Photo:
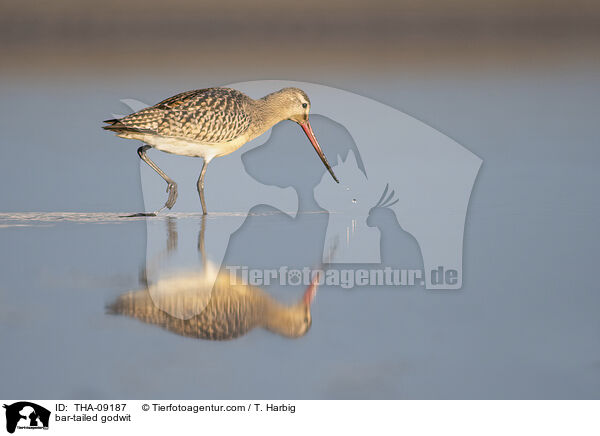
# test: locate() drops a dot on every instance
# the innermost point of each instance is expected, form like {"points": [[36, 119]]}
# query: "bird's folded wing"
{"points": [[210, 116]]}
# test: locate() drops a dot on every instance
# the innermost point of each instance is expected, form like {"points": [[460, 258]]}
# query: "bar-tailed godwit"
{"points": [[209, 123], [222, 311], [201, 305]]}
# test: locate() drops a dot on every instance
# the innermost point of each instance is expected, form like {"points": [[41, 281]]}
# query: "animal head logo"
{"points": [[430, 173], [26, 415], [382, 211]]}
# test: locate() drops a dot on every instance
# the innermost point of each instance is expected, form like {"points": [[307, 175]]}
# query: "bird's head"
{"points": [[293, 321], [300, 322], [294, 105]]}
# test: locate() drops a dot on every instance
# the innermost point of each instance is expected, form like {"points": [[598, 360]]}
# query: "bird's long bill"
{"points": [[311, 136], [311, 291]]}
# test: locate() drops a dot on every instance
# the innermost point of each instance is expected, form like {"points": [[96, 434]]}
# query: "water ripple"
{"points": [[27, 219]]}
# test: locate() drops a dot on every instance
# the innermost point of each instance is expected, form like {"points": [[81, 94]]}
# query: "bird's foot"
{"points": [[172, 190], [141, 214]]}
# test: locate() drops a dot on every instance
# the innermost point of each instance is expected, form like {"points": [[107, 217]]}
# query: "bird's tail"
{"points": [[115, 125]]}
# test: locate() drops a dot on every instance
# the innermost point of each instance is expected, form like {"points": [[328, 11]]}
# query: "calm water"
{"points": [[524, 325]]}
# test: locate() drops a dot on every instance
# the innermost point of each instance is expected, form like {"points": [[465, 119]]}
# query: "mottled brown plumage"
{"points": [[209, 123], [229, 311], [209, 116]]}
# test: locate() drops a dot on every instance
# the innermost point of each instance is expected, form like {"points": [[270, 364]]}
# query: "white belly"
{"points": [[184, 147]]}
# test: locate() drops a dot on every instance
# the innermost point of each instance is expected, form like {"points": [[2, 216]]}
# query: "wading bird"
{"points": [[209, 123], [218, 312], [201, 304]]}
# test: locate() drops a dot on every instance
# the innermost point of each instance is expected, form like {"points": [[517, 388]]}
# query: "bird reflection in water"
{"points": [[213, 309]]}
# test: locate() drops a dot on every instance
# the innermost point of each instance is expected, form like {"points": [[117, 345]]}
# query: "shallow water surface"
{"points": [[524, 324]]}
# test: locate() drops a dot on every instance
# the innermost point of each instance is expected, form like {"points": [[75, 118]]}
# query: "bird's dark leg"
{"points": [[201, 242], [171, 185], [201, 187]]}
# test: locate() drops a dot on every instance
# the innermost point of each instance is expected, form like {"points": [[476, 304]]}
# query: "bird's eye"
{"points": [[304, 105]]}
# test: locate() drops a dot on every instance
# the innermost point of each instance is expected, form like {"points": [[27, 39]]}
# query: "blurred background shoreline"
{"points": [[274, 39]]}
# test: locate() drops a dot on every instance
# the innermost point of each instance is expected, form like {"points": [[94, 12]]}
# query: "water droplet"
{"points": [[347, 189], [354, 200]]}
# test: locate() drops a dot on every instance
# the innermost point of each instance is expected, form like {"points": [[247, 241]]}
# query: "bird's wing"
{"points": [[219, 313], [211, 116]]}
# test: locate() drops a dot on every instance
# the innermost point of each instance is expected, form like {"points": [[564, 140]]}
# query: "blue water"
{"points": [[524, 325]]}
